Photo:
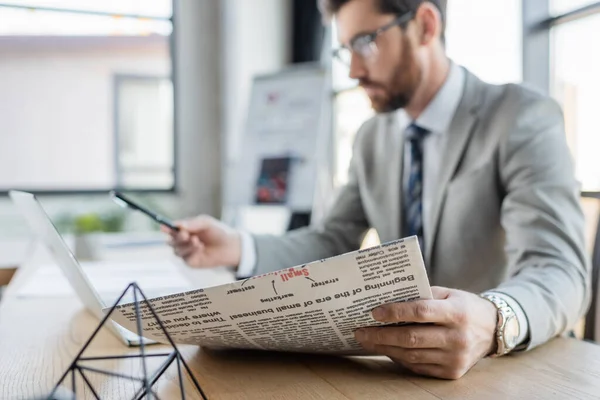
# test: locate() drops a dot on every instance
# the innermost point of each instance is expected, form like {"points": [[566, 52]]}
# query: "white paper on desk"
{"points": [[111, 278], [311, 308]]}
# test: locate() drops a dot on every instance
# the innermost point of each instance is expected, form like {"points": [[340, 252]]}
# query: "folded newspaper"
{"points": [[310, 308]]}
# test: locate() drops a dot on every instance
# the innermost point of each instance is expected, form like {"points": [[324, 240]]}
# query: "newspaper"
{"points": [[310, 308]]}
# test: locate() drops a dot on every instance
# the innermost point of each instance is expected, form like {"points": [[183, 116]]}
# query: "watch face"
{"points": [[511, 332]]}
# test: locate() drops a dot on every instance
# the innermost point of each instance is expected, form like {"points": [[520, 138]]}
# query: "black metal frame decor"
{"points": [[145, 391]]}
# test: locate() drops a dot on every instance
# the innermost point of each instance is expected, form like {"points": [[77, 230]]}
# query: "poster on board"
{"points": [[285, 145]]}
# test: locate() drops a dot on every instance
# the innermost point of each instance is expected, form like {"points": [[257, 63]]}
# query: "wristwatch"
{"points": [[507, 327]]}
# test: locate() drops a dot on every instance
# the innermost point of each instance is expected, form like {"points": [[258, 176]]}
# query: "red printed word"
{"points": [[292, 273]]}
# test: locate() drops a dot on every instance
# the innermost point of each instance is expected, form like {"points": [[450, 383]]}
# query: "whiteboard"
{"points": [[288, 116]]}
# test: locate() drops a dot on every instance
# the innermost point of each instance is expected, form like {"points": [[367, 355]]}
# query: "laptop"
{"points": [[41, 225]]}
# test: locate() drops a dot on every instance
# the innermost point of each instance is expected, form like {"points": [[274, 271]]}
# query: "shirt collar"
{"points": [[438, 114]]}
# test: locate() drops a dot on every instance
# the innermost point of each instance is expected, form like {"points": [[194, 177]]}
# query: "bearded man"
{"points": [[480, 173]]}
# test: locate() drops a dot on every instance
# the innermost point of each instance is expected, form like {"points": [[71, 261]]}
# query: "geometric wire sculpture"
{"points": [[147, 381]]}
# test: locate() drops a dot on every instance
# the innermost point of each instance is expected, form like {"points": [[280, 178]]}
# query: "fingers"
{"points": [[408, 337], [184, 244], [193, 253], [178, 240], [186, 250], [423, 311], [182, 235], [408, 357], [453, 333], [435, 362], [181, 241], [189, 227], [196, 225], [440, 293], [428, 362], [172, 232], [182, 247], [197, 257], [436, 371]]}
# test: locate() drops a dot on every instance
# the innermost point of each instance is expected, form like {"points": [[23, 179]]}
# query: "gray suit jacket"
{"points": [[506, 215]]}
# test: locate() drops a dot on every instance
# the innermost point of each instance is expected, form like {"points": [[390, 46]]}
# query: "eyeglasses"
{"points": [[364, 45]]}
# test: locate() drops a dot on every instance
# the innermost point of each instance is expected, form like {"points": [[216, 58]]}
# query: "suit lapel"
{"points": [[459, 133], [394, 150]]}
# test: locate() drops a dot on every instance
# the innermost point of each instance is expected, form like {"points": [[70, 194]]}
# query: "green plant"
{"points": [[113, 222], [91, 222], [88, 223]]}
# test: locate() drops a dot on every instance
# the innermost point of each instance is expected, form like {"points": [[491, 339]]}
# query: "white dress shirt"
{"points": [[248, 257], [436, 118]]}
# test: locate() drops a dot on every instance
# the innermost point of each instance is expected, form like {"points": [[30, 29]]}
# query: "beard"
{"points": [[402, 86]]}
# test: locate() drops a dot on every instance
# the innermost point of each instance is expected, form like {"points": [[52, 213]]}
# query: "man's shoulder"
{"points": [[515, 114], [514, 97]]}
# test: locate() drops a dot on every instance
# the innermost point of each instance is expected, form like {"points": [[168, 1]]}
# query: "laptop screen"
{"points": [[44, 229]]}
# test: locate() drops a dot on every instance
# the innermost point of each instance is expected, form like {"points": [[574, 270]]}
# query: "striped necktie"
{"points": [[413, 200]]}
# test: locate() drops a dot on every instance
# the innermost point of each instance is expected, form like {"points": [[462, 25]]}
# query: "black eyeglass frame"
{"points": [[367, 40]]}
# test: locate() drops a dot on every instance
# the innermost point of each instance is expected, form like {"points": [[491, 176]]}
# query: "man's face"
{"points": [[391, 76]]}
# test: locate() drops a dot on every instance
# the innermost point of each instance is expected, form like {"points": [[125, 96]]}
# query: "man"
{"points": [[480, 173]]}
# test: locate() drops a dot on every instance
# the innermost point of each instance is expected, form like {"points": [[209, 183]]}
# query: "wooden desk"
{"points": [[6, 274], [39, 337]]}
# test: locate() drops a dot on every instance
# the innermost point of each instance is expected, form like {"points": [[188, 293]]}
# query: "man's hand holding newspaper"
{"points": [[372, 301], [453, 331]]}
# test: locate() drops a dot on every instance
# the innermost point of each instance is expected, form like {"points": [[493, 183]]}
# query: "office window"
{"points": [[559, 7], [154, 8], [483, 35], [486, 37], [352, 108], [576, 84], [87, 96], [144, 119]]}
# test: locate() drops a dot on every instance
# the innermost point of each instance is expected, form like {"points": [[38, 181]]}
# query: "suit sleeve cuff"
{"points": [[521, 317], [248, 259]]}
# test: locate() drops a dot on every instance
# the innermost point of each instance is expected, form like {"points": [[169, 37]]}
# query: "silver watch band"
{"points": [[506, 315]]}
